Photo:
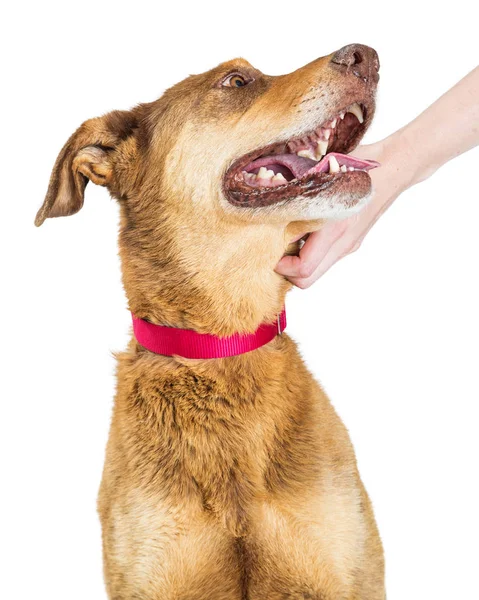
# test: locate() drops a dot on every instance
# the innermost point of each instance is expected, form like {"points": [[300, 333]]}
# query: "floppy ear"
{"points": [[87, 155]]}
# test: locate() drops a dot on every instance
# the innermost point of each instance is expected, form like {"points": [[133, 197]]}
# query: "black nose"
{"points": [[361, 61]]}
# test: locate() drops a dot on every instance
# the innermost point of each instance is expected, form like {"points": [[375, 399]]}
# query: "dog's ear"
{"points": [[87, 156]]}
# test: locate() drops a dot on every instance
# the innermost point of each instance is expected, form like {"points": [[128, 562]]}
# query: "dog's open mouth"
{"points": [[303, 166]]}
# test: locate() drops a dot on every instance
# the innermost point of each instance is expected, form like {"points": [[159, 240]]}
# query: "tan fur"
{"points": [[229, 478]]}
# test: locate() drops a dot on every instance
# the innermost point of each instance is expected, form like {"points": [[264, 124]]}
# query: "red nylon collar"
{"points": [[187, 343]]}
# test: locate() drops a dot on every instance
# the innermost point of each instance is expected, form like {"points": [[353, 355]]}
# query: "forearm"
{"points": [[443, 131]]}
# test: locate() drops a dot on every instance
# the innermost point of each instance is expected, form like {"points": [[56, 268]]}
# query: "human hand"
{"points": [[407, 157], [337, 239]]}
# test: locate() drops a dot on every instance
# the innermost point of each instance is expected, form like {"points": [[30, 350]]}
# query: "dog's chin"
{"points": [[335, 206]]}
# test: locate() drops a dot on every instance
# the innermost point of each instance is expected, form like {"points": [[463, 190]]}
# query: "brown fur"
{"points": [[229, 478]]}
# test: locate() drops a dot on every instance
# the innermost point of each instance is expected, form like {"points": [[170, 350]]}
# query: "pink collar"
{"points": [[191, 344]]}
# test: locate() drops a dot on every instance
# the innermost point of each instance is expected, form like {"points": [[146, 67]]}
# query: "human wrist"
{"points": [[405, 162], [416, 163], [394, 176]]}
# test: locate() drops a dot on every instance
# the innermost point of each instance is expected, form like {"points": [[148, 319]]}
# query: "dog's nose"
{"points": [[361, 61]]}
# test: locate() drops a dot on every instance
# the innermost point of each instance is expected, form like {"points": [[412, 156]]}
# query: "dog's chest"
{"points": [[233, 493], [228, 475], [191, 439], [295, 548]]}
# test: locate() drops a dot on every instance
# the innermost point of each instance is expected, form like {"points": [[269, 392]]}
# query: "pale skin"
{"points": [[407, 157]]}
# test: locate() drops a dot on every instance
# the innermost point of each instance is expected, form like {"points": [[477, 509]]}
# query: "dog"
{"points": [[228, 478]]}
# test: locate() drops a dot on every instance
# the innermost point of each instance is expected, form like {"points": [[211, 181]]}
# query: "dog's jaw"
{"points": [[309, 177]]}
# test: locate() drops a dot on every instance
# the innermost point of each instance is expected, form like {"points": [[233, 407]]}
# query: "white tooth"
{"points": [[355, 109], [263, 173], [269, 173], [350, 168], [322, 148], [333, 123], [342, 115], [279, 177], [343, 168], [306, 154], [327, 133], [333, 165]]}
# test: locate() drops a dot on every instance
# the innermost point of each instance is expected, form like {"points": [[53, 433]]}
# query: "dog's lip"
{"points": [[311, 178], [245, 196]]}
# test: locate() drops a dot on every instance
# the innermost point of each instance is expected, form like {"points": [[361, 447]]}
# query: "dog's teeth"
{"points": [[322, 148], [333, 123], [263, 173], [306, 154], [355, 109], [333, 165], [342, 115], [350, 168], [343, 168], [279, 177], [327, 133]]}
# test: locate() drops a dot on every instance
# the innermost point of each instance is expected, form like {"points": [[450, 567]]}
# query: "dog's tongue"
{"points": [[301, 166], [323, 166]]}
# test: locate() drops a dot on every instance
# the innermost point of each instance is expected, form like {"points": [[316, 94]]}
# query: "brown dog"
{"points": [[230, 478]]}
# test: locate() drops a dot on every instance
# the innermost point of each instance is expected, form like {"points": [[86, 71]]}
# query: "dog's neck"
{"points": [[219, 282]]}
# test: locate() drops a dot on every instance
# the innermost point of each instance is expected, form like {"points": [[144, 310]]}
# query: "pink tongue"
{"points": [[296, 164], [300, 166], [343, 159]]}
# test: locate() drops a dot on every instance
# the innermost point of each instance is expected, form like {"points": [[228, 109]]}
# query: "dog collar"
{"points": [[187, 343]]}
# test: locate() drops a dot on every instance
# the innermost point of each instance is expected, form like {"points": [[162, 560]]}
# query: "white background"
{"points": [[391, 331]]}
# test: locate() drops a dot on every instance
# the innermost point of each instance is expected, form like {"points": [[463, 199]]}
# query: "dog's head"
{"points": [[217, 176]]}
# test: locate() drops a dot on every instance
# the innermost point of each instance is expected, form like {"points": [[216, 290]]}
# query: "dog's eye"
{"points": [[235, 80]]}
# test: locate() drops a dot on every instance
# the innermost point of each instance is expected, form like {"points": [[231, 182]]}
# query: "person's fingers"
{"points": [[305, 282], [337, 253], [312, 253], [343, 246]]}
